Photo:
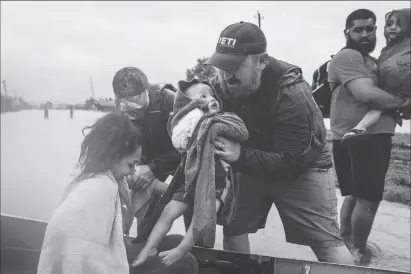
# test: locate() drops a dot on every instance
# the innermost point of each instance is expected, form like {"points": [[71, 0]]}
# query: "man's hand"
{"points": [[405, 109], [227, 150], [141, 179], [406, 103], [405, 113], [127, 241]]}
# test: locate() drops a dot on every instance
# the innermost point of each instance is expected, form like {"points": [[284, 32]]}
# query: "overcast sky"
{"points": [[50, 49]]}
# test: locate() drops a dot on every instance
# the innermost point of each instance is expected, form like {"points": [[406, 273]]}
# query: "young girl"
{"points": [[393, 69], [195, 107], [85, 233]]}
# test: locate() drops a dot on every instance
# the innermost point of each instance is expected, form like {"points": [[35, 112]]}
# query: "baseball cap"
{"points": [[235, 43], [129, 81]]}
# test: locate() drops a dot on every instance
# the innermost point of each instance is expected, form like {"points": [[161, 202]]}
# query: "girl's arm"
{"points": [[160, 187]]}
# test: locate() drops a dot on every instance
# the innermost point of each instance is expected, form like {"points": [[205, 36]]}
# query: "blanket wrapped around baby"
{"points": [[199, 169]]}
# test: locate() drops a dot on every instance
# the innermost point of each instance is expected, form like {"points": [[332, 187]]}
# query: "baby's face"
{"points": [[204, 92], [392, 28]]}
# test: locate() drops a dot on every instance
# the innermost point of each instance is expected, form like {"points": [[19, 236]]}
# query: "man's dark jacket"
{"points": [[158, 151], [287, 132]]}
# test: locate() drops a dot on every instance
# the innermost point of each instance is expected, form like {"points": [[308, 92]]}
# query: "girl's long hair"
{"points": [[109, 139]]}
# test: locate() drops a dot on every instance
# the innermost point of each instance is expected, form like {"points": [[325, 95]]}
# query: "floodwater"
{"points": [[38, 157]]}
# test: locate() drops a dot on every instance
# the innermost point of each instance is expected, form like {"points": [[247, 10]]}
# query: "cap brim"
{"points": [[226, 62]]}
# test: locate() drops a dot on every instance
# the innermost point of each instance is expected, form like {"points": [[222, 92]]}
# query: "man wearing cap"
{"points": [[285, 160], [148, 110]]}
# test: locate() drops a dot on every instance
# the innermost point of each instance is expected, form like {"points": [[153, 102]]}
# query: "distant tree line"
{"points": [[9, 103], [201, 72]]}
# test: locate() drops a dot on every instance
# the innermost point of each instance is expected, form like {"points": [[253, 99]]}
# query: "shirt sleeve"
{"points": [[349, 65]]}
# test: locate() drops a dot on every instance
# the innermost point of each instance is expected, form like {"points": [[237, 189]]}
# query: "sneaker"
{"points": [[371, 251], [375, 249], [365, 258]]}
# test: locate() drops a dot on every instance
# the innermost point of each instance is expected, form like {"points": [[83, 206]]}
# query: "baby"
{"points": [[208, 104], [393, 70], [195, 101]]}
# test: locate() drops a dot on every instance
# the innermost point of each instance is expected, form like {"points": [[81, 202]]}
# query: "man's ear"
{"points": [[346, 33], [262, 61]]}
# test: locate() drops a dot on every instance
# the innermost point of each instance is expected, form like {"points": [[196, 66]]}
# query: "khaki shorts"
{"points": [[307, 207]]}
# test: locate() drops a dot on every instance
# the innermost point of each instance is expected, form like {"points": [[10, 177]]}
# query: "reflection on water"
{"points": [[38, 157]]}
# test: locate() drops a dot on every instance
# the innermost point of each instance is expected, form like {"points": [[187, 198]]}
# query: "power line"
{"points": [[259, 18]]}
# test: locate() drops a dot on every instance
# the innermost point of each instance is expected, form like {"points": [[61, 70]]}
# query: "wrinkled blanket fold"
{"points": [[199, 170]]}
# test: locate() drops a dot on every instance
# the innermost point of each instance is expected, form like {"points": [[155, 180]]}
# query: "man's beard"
{"points": [[365, 49], [136, 115], [238, 91]]}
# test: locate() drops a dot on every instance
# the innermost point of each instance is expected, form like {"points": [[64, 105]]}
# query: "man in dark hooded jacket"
{"points": [[150, 110], [285, 161]]}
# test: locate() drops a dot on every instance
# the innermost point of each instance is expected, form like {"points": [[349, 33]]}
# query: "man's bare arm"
{"points": [[365, 91]]}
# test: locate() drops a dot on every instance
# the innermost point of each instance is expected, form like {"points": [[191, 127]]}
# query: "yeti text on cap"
{"points": [[226, 42]]}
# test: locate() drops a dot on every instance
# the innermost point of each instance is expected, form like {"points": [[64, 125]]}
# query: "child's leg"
{"points": [[359, 132], [370, 118], [175, 254], [217, 205], [171, 212]]}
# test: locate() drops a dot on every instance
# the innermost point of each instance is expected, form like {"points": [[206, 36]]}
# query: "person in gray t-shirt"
{"points": [[360, 166]]}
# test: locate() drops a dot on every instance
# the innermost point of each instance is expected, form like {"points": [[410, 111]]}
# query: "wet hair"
{"points": [[109, 139], [358, 15]]}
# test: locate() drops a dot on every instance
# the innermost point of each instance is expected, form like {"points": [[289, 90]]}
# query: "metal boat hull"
{"points": [[22, 239]]}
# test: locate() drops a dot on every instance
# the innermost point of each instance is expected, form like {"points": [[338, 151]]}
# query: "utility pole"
{"points": [[259, 18], [92, 88], [5, 88]]}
